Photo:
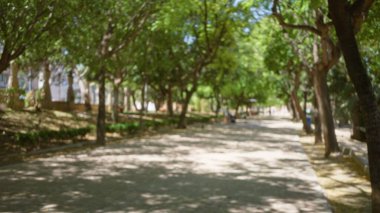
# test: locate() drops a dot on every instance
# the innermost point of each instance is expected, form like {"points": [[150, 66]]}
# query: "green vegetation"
{"points": [[129, 128], [209, 56], [133, 127], [45, 136]]}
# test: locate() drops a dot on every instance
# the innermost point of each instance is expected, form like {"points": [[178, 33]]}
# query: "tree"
{"points": [[46, 92], [110, 27], [217, 76], [348, 18], [14, 101], [203, 26], [24, 23], [326, 54], [341, 94], [117, 75], [162, 74], [283, 57], [70, 97]]}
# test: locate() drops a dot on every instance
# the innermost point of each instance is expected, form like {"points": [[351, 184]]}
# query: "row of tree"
{"points": [[316, 34], [225, 51], [173, 50]]}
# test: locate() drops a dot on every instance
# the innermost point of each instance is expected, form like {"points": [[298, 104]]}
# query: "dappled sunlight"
{"points": [[345, 186], [49, 207], [156, 199], [44, 119], [248, 167]]}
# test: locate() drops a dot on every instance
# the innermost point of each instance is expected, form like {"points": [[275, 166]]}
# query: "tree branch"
{"points": [[359, 11], [135, 25], [205, 10], [284, 24], [18, 50]]}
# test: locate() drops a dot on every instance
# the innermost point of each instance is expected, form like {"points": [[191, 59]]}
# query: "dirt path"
{"points": [[251, 166]]}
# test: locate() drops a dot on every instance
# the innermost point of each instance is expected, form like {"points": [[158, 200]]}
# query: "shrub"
{"points": [[200, 119], [154, 123], [131, 127], [35, 137], [171, 121]]}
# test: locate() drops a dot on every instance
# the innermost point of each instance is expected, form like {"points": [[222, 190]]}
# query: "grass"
{"points": [[345, 185], [21, 130]]}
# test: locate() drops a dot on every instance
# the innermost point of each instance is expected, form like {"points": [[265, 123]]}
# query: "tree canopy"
{"points": [[225, 52]]}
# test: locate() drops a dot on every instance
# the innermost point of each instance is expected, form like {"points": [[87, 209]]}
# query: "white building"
{"points": [[32, 80]]}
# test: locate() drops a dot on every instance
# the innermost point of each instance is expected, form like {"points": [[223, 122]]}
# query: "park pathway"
{"points": [[250, 166]]}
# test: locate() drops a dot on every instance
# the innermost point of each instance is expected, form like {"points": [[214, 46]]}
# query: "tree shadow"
{"points": [[210, 169], [347, 188]]}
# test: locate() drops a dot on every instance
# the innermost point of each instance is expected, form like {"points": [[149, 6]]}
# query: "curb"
{"points": [[18, 158]]}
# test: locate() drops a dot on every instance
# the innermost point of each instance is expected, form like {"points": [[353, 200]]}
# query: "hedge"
{"points": [[72, 133], [47, 135], [130, 128]]}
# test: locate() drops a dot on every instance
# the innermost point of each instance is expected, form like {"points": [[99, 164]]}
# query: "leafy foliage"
{"points": [[130, 128], [44, 136]]}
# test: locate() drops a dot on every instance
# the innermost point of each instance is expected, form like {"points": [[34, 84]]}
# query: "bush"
{"points": [[171, 121], [133, 127], [154, 123], [130, 128], [35, 137], [200, 119]]}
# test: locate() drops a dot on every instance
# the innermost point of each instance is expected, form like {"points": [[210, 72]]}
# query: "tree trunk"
{"points": [[146, 97], [218, 107], [101, 119], [127, 100], [292, 109], [297, 104], [5, 59], [169, 101], [158, 101], [296, 115], [237, 111], [13, 77], [157, 105], [298, 107], [87, 97], [46, 92], [342, 21], [70, 89], [305, 102], [142, 105], [317, 123], [356, 123], [133, 95], [324, 109], [185, 105], [142, 109], [115, 103], [14, 101]]}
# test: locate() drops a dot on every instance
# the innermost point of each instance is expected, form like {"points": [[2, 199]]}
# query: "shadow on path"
{"points": [[253, 166]]}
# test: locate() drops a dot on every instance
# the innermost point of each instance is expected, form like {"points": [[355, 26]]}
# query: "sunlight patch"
{"points": [[49, 208]]}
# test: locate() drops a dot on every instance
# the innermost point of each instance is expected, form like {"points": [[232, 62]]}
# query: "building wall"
{"points": [[59, 86], [4, 79]]}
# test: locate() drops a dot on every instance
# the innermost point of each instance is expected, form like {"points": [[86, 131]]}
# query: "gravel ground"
{"points": [[250, 166]]}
